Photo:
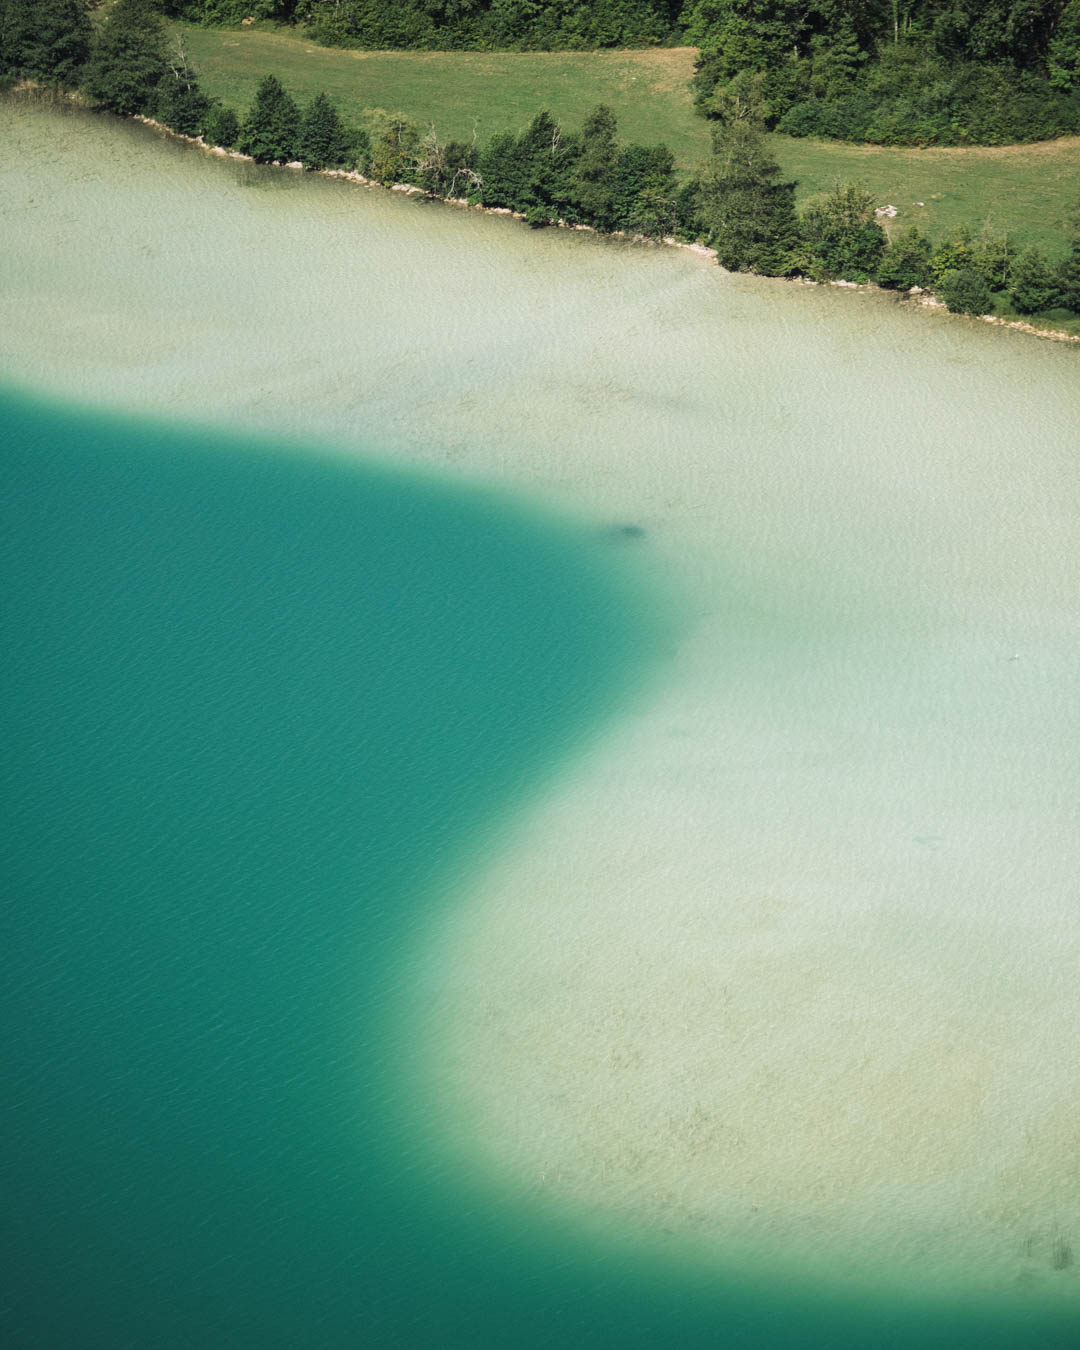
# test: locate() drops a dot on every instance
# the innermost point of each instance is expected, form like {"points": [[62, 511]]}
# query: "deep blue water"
{"points": [[258, 705]]}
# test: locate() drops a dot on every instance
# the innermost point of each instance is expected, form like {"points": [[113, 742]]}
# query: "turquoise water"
{"points": [[259, 707]]}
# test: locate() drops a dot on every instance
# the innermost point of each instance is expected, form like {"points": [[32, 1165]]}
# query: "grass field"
{"points": [[1026, 190]]}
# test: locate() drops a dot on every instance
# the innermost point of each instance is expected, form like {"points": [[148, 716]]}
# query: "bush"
{"points": [[182, 105], [954, 253], [221, 127], [965, 291], [906, 261]]}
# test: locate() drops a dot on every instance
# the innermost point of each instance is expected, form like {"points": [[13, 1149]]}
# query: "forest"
{"points": [[889, 72], [738, 203]]}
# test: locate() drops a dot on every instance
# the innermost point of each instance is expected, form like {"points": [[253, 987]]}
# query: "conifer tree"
{"points": [[594, 187], [127, 61], [47, 40], [836, 61], [749, 217], [271, 130], [324, 141], [1033, 286]]}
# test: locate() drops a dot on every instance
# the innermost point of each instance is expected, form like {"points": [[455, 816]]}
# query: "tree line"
{"points": [[891, 72], [738, 204], [453, 25], [748, 214], [898, 72]]}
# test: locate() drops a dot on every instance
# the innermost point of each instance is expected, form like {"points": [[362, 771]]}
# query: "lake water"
{"points": [[542, 791]]}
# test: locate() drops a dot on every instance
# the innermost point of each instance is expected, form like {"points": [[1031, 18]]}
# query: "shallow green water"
{"points": [[274, 711]]}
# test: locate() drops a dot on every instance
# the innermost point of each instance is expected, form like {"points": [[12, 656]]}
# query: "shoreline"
{"points": [[723, 980], [921, 297]]}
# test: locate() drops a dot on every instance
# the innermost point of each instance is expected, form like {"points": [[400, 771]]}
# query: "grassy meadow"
{"points": [[1025, 190]]}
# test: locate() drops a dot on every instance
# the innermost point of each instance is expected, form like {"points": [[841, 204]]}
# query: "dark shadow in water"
{"points": [[255, 704]]}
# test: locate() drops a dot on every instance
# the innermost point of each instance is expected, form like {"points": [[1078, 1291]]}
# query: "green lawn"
{"points": [[1025, 190]]}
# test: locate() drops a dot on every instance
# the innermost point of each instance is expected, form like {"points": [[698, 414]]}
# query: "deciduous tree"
{"points": [[906, 261], [842, 234], [748, 215], [48, 40], [128, 59], [181, 104]]}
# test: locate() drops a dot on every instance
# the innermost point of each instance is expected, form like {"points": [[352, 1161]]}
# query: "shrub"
{"points": [[181, 104], [221, 127], [906, 261], [965, 291]]}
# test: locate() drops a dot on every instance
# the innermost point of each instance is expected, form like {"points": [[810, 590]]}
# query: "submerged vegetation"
{"points": [[739, 201]]}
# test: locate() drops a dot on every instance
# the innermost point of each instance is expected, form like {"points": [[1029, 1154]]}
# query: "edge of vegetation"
{"points": [[738, 207]]}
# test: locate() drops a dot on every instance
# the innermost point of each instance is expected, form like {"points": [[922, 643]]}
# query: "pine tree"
{"points": [[128, 59], [749, 217], [1033, 286], [324, 141], [271, 130], [906, 261], [47, 40], [593, 193], [837, 59]]}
